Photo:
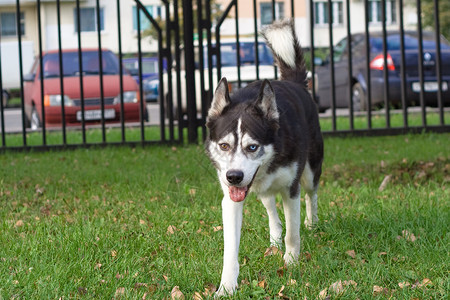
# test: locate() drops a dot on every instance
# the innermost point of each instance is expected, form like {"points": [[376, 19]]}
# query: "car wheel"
{"points": [[358, 98], [35, 122]]}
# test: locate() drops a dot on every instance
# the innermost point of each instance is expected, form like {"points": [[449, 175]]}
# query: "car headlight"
{"points": [[55, 100], [128, 97]]}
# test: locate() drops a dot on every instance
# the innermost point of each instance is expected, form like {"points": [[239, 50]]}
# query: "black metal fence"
{"points": [[46, 112]]}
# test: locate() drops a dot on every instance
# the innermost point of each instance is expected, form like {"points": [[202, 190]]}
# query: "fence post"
{"points": [[190, 70]]}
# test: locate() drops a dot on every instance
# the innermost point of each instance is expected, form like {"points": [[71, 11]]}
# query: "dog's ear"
{"points": [[266, 101], [220, 101]]}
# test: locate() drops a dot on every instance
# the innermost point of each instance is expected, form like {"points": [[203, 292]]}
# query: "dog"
{"points": [[265, 138]]}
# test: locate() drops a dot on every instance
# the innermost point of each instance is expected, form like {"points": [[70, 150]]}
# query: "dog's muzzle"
{"points": [[234, 178]]}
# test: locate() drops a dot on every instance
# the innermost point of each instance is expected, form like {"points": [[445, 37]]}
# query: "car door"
{"points": [[341, 73]]}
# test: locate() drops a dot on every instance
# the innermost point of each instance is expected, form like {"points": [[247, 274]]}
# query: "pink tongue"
{"points": [[237, 194]]}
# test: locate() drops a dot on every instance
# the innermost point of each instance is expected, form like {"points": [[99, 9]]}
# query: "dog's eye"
{"points": [[252, 148], [224, 146]]}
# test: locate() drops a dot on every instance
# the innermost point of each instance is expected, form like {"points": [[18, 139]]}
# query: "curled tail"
{"points": [[280, 36]]}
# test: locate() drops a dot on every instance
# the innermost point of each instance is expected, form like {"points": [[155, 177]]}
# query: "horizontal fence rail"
{"points": [[371, 71]]}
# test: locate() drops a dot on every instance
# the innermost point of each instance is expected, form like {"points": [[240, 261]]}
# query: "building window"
{"points": [[9, 25], [266, 12], [321, 13], [88, 19], [154, 10], [375, 15]]}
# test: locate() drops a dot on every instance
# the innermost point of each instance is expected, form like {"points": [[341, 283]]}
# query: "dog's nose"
{"points": [[235, 176]]}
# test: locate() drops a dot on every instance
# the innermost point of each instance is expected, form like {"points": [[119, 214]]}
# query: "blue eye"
{"points": [[252, 148]]}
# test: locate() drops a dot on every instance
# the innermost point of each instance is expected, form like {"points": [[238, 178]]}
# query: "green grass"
{"points": [[93, 224]]}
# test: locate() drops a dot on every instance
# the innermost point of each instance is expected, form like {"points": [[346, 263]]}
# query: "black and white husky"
{"points": [[265, 138]]}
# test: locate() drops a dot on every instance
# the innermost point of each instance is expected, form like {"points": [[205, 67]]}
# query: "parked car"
{"points": [[228, 50], [150, 72], [359, 94], [5, 98], [72, 90]]}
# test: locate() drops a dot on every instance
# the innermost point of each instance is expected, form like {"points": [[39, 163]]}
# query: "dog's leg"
{"points": [[311, 208], [274, 221], [291, 207], [232, 222]]}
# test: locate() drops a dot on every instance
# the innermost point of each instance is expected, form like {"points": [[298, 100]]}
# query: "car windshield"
{"points": [[247, 53], [70, 63], [411, 43]]}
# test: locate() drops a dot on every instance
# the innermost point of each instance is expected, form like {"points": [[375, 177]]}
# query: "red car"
{"points": [[72, 90]]}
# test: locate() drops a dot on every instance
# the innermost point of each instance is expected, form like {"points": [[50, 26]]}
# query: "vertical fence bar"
{"points": [[255, 25], [293, 11], [275, 68], [161, 53], [41, 73], [350, 66], [219, 23], [61, 73], [438, 62], [168, 51], [119, 41], [313, 67], [2, 108], [333, 81], [369, 83], [210, 63], [190, 70], [201, 65], [420, 56], [100, 70], [177, 69], [238, 45], [141, 90], [402, 67], [19, 38], [385, 66], [80, 68]]}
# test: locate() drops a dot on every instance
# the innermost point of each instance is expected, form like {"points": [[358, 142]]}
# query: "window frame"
{"points": [[279, 12], [321, 13], [375, 18], [90, 8], [22, 23]]}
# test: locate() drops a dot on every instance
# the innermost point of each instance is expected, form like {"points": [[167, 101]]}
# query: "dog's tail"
{"points": [[282, 40]]}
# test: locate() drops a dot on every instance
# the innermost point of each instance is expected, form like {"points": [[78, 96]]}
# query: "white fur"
{"points": [[307, 181], [282, 43]]}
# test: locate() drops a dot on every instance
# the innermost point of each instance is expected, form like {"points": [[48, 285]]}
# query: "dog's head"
{"points": [[242, 128]]}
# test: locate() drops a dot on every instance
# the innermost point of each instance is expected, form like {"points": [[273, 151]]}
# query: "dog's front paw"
{"points": [[225, 290], [290, 258]]}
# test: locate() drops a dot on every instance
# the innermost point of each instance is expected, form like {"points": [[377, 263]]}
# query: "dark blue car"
{"points": [[150, 69], [359, 93]]}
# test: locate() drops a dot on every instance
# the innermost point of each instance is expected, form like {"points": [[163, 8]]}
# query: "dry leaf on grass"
{"points": [[262, 284], [337, 287], [210, 289], [197, 296], [19, 223], [119, 292], [217, 228], [410, 237], [176, 294], [403, 284], [171, 229], [351, 253], [272, 251], [377, 290], [323, 294]]}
